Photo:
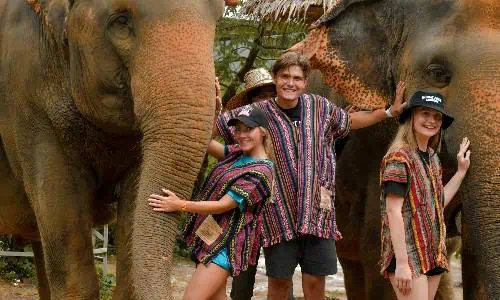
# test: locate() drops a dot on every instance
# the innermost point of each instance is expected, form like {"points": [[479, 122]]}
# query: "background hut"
{"points": [[306, 11]]}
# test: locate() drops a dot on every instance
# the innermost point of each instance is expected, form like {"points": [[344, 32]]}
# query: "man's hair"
{"points": [[289, 59]]}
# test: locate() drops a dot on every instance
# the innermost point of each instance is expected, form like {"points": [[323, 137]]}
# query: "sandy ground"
{"points": [[182, 273]]}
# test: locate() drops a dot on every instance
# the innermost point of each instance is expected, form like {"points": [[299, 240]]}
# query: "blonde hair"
{"points": [[405, 138], [268, 144]]}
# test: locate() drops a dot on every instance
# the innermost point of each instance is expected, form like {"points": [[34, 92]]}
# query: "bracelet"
{"points": [[388, 112], [184, 207]]}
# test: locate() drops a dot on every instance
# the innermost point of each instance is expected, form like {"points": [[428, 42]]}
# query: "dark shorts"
{"points": [[436, 271], [316, 256]]}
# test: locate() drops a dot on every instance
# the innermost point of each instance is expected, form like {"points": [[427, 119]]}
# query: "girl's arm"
{"points": [[463, 159], [394, 204], [216, 150], [172, 203]]}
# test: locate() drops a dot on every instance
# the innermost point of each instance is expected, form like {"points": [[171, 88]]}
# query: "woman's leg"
{"points": [[433, 283], [419, 288], [198, 289], [220, 294]]}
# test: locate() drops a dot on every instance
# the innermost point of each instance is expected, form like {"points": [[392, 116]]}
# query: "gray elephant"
{"points": [[453, 47], [363, 47], [102, 101]]}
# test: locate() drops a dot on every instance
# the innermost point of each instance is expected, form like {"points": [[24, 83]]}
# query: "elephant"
{"points": [[102, 103], [363, 48]]}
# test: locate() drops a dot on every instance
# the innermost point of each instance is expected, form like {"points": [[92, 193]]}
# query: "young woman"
{"points": [[413, 199], [224, 226]]}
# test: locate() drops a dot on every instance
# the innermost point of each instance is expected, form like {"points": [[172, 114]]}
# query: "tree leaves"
{"points": [[243, 43]]}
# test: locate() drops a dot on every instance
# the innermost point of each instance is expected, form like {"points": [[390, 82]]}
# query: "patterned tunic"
{"points": [[240, 230], [304, 196], [422, 211]]}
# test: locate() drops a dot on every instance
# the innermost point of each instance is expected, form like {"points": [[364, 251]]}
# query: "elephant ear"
{"points": [[53, 14], [351, 47]]}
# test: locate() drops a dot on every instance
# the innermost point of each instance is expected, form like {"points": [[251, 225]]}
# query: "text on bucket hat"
{"points": [[430, 100], [251, 117]]}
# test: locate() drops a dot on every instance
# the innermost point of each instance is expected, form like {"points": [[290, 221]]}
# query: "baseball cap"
{"points": [[251, 117]]}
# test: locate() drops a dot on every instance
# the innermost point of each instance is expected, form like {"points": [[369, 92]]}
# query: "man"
{"points": [[259, 86], [299, 227]]}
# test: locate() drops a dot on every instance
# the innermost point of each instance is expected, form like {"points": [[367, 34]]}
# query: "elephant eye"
{"points": [[122, 20], [120, 26], [437, 75]]}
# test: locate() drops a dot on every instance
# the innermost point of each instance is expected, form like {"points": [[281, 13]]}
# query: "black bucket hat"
{"points": [[430, 100], [251, 117]]}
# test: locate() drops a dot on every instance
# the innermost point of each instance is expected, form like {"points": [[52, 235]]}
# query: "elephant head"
{"points": [[142, 68], [448, 46]]}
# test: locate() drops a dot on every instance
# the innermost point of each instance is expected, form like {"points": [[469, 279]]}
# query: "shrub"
{"points": [[106, 284]]}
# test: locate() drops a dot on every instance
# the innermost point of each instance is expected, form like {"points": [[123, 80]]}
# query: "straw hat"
{"points": [[253, 79]]}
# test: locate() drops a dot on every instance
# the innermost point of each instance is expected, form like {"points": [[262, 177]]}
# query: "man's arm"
{"points": [[362, 119]]}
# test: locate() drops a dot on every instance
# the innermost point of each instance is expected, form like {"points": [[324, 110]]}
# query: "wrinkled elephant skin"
{"points": [[363, 48], [102, 102]]}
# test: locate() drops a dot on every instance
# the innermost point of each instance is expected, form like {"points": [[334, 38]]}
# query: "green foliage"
{"points": [[242, 44], [106, 284], [13, 268]]}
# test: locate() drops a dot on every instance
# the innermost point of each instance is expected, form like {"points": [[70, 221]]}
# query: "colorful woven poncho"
{"points": [[240, 230], [422, 211]]}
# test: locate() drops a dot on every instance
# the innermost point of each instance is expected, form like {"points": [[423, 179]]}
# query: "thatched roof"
{"points": [[304, 10]]}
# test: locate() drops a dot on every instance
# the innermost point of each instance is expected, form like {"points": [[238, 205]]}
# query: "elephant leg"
{"points": [[445, 288], [43, 283], [354, 278], [124, 224], [61, 194], [473, 289], [376, 286]]}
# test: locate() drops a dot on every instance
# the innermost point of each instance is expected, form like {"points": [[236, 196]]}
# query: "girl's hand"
{"points": [[463, 156], [169, 203], [403, 278]]}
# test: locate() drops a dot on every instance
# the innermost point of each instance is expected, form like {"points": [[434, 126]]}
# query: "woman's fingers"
{"points": [[157, 197], [168, 192], [407, 286]]}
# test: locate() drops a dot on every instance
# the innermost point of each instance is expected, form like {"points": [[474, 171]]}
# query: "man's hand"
{"points": [[218, 100], [352, 109], [399, 103]]}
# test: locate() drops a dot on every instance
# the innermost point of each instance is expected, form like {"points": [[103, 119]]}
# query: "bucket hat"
{"points": [[430, 100], [253, 79]]}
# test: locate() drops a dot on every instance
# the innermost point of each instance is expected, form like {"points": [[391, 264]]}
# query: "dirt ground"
{"points": [[182, 273]]}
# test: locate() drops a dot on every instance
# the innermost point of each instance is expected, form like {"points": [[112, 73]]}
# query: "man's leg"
{"points": [[319, 259], [242, 286], [281, 260]]}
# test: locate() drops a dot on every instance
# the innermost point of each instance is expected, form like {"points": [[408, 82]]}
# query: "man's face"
{"points": [[290, 83], [262, 93]]}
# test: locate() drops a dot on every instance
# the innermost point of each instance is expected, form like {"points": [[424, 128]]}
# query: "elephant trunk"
{"points": [[477, 117], [173, 88]]}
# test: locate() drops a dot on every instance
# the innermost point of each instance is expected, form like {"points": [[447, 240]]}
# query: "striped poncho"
{"points": [[303, 201], [241, 230], [422, 211]]}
